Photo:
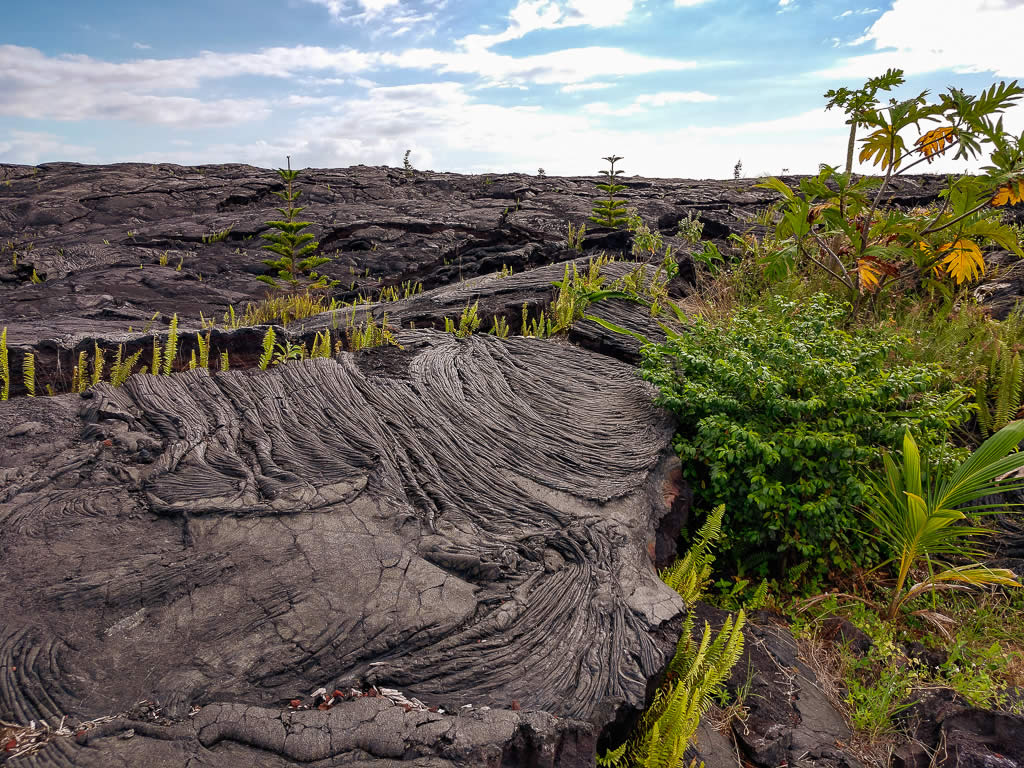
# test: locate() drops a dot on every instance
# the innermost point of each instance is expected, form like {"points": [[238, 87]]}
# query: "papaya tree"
{"points": [[839, 223]]}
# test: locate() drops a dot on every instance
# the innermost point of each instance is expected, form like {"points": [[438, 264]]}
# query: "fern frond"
{"points": [[5, 370], [1008, 387], [981, 399], [172, 345], [155, 367], [268, 349], [759, 599], [613, 757], [224, 362], [121, 371], [28, 370], [117, 361], [688, 576], [204, 349], [78, 374], [98, 361]]}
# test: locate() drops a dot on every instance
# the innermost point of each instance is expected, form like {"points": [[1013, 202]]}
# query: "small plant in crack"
{"points": [[469, 322]]}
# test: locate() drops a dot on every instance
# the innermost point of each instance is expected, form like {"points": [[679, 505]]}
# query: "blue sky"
{"points": [[679, 88]]}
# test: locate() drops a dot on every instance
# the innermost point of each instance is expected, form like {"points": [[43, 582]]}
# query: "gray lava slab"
{"points": [[472, 522]]}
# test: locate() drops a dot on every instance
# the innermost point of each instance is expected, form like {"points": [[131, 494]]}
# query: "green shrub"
{"points": [[780, 411]]}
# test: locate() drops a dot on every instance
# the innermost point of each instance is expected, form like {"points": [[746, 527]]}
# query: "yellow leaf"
{"points": [[964, 260], [879, 144], [1012, 193], [936, 142], [868, 275]]}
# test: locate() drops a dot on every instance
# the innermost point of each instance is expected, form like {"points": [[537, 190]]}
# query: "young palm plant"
{"points": [[920, 515]]}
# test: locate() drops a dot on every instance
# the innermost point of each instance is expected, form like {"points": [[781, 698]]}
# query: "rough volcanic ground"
{"points": [[455, 538]]}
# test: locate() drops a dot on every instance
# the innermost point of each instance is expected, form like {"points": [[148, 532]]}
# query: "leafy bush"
{"points": [[780, 411]]}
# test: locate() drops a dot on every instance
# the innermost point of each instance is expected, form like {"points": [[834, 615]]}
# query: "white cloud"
{"points": [[859, 12], [294, 100], [34, 147], [918, 37], [674, 97], [141, 46], [575, 87], [532, 15], [689, 3], [356, 10], [574, 65], [74, 87]]}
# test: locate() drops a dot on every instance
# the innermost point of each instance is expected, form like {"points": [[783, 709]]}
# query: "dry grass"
{"points": [[826, 661]]}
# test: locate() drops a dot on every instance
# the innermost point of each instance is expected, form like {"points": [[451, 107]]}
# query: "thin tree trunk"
{"points": [[849, 147]]}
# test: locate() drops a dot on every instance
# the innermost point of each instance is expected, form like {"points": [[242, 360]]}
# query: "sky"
{"points": [[678, 88]]}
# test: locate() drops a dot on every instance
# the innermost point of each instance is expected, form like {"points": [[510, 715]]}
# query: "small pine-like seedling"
{"points": [[294, 248], [737, 170], [610, 212], [541, 173], [409, 170]]}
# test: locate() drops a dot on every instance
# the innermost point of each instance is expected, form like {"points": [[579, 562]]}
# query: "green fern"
{"points": [[204, 349], [120, 371], [689, 576], [155, 367], [78, 377], [611, 758], [29, 372], [1010, 380], [268, 349], [759, 599], [5, 370], [321, 345], [469, 322], [499, 327], [98, 361], [172, 345], [981, 395], [224, 362], [696, 672]]}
